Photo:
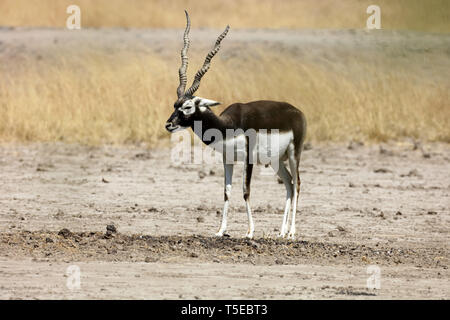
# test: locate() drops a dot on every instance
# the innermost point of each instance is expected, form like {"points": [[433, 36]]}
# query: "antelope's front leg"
{"points": [[228, 168]]}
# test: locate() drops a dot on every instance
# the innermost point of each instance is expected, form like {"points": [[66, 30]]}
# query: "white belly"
{"points": [[265, 147]]}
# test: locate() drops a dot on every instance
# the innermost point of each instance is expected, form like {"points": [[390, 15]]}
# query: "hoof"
{"points": [[291, 236], [282, 235], [222, 234]]}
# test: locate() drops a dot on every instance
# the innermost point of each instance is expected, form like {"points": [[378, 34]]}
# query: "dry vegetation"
{"points": [[127, 97], [420, 15], [119, 96]]}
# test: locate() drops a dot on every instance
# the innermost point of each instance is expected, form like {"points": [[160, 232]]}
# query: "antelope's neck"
{"points": [[208, 124]]}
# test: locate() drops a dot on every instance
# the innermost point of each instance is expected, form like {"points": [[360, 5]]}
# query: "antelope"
{"points": [[286, 123]]}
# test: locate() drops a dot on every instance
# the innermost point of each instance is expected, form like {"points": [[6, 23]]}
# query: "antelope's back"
{"points": [[266, 114]]}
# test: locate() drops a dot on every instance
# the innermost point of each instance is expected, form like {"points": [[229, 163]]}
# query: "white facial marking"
{"points": [[188, 107], [178, 128], [205, 102]]}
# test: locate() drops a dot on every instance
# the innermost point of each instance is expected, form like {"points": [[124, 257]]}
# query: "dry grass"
{"points": [[420, 15], [95, 98]]}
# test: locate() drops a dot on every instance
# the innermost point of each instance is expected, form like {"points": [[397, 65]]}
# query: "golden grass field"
{"points": [[95, 98], [121, 96], [419, 15]]}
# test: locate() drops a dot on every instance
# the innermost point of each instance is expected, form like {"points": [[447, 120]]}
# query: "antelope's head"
{"points": [[187, 105]]}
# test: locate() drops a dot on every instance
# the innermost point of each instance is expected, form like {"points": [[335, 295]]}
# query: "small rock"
{"points": [[382, 170], [110, 231], [200, 219], [104, 180], [202, 207], [65, 233], [143, 155], [432, 213], [39, 168], [48, 240], [412, 173], [201, 174], [111, 228], [194, 255]]}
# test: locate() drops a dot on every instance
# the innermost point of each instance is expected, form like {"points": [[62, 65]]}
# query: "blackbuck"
{"points": [[259, 129]]}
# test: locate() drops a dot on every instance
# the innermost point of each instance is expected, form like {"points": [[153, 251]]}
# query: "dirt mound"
{"points": [[89, 246]]}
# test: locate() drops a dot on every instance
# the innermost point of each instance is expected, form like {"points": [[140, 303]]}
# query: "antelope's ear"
{"points": [[202, 102]]}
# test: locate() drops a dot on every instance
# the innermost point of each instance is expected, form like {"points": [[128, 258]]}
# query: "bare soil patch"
{"points": [[92, 246], [139, 226]]}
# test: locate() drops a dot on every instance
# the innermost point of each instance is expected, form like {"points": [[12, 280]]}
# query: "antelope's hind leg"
{"points": [[248, 168], [284, 175], [228, 172], [294, 162]]}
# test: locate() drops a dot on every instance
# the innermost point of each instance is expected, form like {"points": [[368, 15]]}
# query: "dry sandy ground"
{"points": [[360, 205]]}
